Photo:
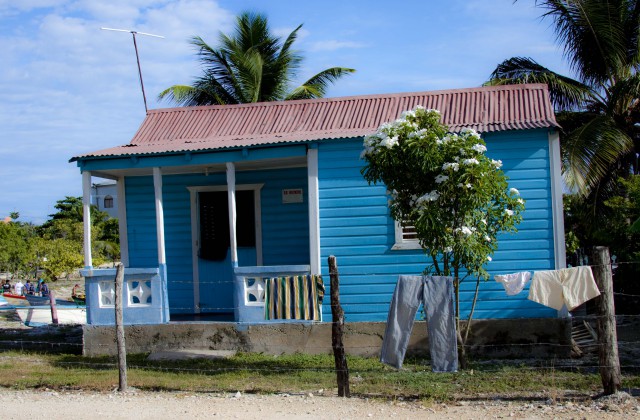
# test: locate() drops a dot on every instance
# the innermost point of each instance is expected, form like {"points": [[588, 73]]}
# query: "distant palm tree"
{"points": [[252, 65], [600, 112]]}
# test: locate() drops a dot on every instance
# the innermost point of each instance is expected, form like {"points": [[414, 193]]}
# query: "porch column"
{"points": [[560, 252], [122, 222], [162, 259], [86, 218], [157, 186], [231, 190], [314, 205]]}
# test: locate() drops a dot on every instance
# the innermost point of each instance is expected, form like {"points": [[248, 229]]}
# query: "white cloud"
{"points": [[69, 88], [332, 45]]}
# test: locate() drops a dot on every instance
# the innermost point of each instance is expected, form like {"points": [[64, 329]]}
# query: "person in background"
{"points": [[38, 285], [6, 287], [29, 289], [18, 288], [44, 289]]}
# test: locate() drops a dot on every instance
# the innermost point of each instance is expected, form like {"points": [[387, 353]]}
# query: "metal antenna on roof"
{"points": [[135, 46]]}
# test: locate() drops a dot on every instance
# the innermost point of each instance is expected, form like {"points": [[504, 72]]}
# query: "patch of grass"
{"points": [[259, 373]]}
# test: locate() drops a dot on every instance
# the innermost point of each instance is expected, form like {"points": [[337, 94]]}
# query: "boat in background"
{"points": [[35, 300], [36, 316], [79, 299], [15, 300]]}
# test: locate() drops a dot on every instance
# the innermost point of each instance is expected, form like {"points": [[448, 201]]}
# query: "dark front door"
{"points": [[214, 254]]}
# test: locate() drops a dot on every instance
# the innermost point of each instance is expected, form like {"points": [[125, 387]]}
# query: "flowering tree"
{"points": [[445, 186]]}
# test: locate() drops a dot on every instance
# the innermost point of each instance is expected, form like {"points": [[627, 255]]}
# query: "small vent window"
{"points": [[108, 202], [406, 237]]}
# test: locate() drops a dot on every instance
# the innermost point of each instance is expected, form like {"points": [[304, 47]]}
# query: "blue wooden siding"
{"points": [[355, 226], [285, 227]]}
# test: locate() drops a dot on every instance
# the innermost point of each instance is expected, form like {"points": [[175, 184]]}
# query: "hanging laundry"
{"points": [[436, 295], [294, 297], [513, 283], [568, 286]]}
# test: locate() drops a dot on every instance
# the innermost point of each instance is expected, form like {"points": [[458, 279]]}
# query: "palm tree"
{"points": [[599, 112], [252, 65]]}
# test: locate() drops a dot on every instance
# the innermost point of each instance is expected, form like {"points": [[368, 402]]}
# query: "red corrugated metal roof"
{"points": [[485, 109]]}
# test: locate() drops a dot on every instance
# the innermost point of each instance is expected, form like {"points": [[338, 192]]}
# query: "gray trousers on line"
{"points": [[436, 295]]}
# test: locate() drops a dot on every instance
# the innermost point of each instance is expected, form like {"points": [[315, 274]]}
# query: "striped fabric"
{"points": [[294, 297]]}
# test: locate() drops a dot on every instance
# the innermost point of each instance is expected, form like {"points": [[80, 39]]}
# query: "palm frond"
{"points": [[317, 85], [590, 152], [624, 96], [594, 35], [179, 94], [250, 65], [565, 93]]}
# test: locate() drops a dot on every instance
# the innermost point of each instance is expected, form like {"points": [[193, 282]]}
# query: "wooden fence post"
{"points": [[606, 313], [54, 310], [122, 352], [342, 370]]}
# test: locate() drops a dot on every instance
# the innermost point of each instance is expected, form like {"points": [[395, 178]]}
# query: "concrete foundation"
{"points": [[508, 338]]}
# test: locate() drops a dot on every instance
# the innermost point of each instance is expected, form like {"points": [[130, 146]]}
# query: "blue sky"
{"points": [[69, 87]]}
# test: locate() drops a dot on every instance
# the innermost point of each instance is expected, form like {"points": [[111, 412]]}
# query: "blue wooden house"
{"points": [[213, 199]]}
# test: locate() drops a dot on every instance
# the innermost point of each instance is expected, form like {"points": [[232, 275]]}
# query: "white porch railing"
{"points": [[144, 296], [249, 286]]}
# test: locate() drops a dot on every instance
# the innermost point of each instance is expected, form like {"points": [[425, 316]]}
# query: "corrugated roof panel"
{"points": [[486, 109]]}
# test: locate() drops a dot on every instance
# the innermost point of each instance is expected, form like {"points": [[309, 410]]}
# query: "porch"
{"points": [[213, 272]]}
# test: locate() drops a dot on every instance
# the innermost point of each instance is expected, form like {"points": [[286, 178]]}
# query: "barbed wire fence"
{"points": [[69, 340]]}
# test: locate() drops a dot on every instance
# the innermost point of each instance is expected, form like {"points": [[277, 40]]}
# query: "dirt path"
{"points": [[153, 405]]}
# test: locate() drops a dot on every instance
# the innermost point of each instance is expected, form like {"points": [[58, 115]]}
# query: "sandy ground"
{"points": [[134, 404], [47, 404]]}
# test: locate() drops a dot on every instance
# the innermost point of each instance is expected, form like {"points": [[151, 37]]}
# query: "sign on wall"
{"points": [[292, 195]]}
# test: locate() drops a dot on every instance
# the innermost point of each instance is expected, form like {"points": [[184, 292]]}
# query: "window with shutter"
{"points": [[406, 237]]}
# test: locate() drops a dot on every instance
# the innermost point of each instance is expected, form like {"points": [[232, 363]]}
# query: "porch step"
{"points": [[185, 354], [584, 338]]}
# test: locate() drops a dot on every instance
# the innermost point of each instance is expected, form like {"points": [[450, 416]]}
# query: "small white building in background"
{"points": [[104, 196]]}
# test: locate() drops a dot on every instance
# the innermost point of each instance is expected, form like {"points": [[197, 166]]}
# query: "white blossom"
{"points": [[371, 140], [441, 178], [432, 196], [471, 132], [487, 238], [489, 259], [496, 163], [417, 133], [389, 142], [472, 161], [453, 165], [465, 230], [514, 191], [520, 200], [448, 249], [508, 212], [427, 110], [480, 148]]}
